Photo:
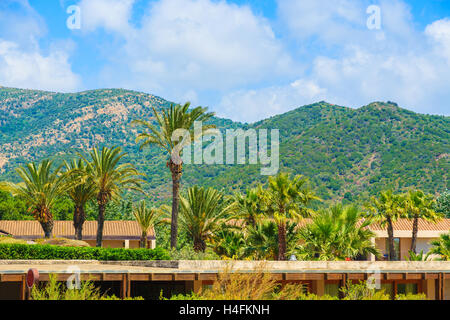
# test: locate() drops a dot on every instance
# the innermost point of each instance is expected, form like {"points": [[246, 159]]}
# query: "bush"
{"points": [[49, 252], [410, 296], [187, 253], [54, 290]]}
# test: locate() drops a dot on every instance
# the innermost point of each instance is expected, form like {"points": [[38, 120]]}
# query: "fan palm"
{"points": [[418, 205], [441, 247], [262, 240], [168, 123], [80, 191], [202, 212], [146, 218], [248, 206], [40, 187], [386, 210], [229, 243], [110, 178], [286, 199], [336, 234]]}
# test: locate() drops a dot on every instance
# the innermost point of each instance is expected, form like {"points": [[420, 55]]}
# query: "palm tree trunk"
{"points": [[79, 217], [177, 171], [199, 245], [282, 241], [101, 220], [414, 233], [390, 231], [48, 228], [143, 243]]}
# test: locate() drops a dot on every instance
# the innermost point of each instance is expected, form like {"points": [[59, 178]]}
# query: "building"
{"points": [[116, 234], [149, 278], [427, 232]]}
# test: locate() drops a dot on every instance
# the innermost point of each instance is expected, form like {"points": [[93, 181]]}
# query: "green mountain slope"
{"points": [[347, 153]]}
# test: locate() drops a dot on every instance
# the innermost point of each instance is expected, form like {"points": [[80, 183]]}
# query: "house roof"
{"points": [[113, 230], [407, 224], [402, 228]]}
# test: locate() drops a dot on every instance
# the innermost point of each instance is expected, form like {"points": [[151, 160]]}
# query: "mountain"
{"points": [[347, 153]]}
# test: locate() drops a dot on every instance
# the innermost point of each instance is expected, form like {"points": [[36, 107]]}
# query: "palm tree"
{"points": [[168, 123], [248, 206], [441, 247], [79, 193], [202, 212], [386, 210], [336, 234], [146, 218], [286, 199], [229, 243], [418, 205], [40, 187], [262, 239], [110, 178]]}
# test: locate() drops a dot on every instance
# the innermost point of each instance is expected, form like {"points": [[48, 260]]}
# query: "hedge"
{"points": [[51, 252]]}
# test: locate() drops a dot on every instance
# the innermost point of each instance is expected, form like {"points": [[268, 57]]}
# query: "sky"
{"points": [[244, 59]]}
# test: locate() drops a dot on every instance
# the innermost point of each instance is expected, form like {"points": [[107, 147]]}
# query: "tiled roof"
{"points": [[399, 225], [406, 225], [113, 230]]}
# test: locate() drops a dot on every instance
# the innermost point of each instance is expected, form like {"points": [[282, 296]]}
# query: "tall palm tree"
{"points": [[146, 218], [40, 187], [419, 205], [336, 234], [202, 212], [386, 209], [80, 191], [162, 135], [110, 178], [287, 199]]}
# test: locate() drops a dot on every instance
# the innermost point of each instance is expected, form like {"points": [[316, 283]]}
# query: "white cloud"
{"points": [[112, 15], [254, 105], [22, 63], [30, 69], [439, 32], [186, 45]]}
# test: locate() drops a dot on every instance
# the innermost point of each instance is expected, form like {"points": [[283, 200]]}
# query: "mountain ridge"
{"points": [[347, 153]]}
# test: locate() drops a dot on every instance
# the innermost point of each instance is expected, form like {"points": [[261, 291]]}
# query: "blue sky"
{"points": [[245, 59]]}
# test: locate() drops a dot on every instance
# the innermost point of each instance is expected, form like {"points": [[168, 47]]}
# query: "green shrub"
{"points": [[49, 252], [411, 296], [54, 290]]}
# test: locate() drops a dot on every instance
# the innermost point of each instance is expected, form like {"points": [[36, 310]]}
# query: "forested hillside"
{"points": [[347, 153]]}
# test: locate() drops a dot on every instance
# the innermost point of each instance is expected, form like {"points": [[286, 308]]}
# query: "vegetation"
{"points": [[284, 200], [386, 210], [146, 218], [337, 234], [419, 205], [54, 290], [40, 188], [170, 121], [56, 252], [348, 154], [201, 213], [441, 247], [260, 285], [109, 178], [79, 193], [443, 204]]}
